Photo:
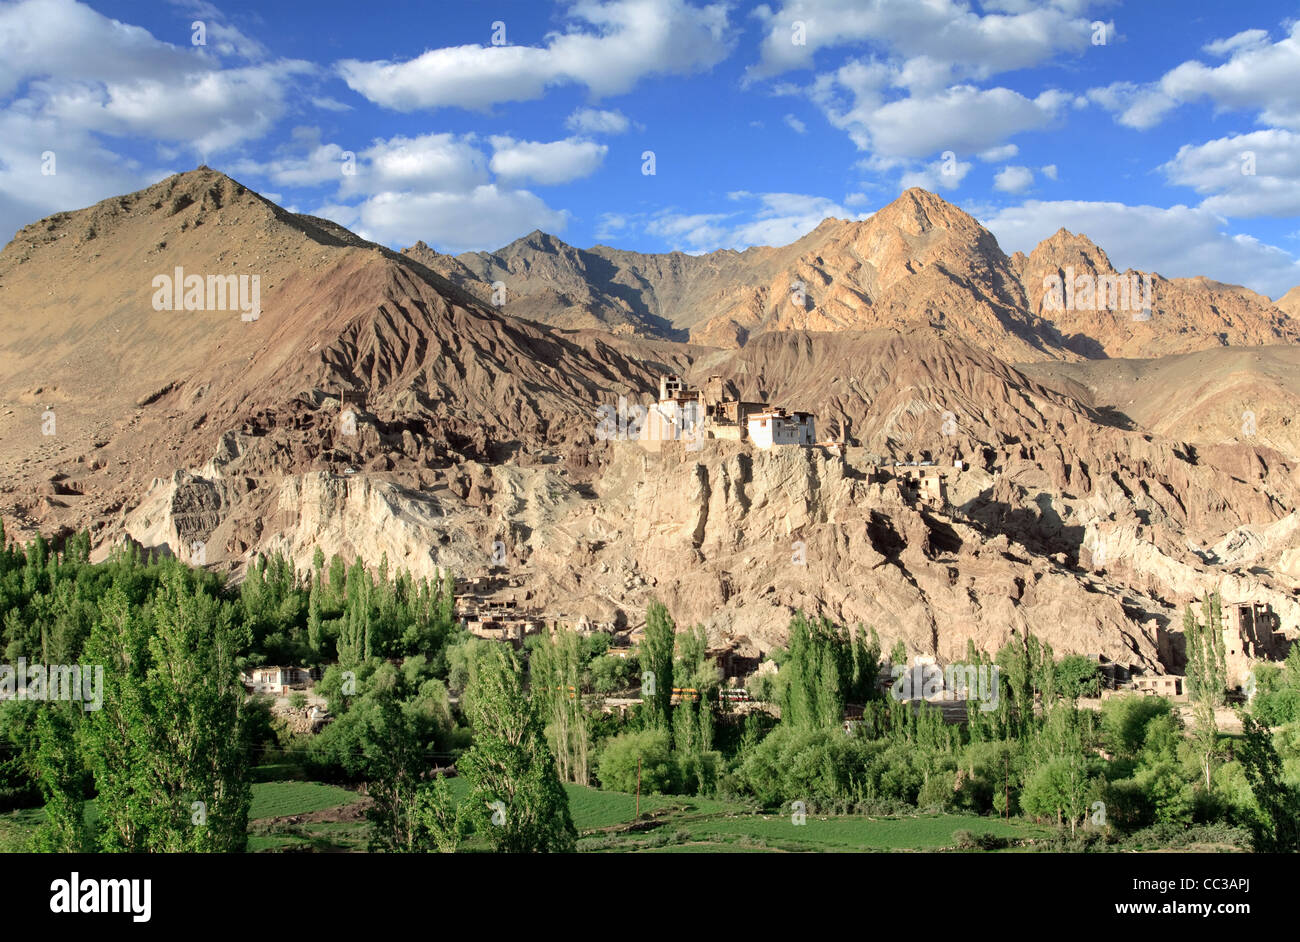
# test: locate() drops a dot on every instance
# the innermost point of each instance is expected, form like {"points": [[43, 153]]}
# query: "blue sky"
{"points": [[1169, 131]]}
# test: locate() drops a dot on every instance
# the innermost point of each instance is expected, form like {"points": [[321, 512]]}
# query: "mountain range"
{"points": [[1114, 464], [919, 261]]}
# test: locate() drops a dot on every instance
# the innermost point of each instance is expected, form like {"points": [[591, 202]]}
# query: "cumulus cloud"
{"points": [[1255, 174], [1259, 76], [623, 42], [943, 174], [427, 163], [486, 216], [1013, 179], [795, 124], [1135, 106], [596, 121], [995, 154], [84, 171], [98, 74], [768, 219], [963, 119], [1178, 242], [954, 38], [436, 187], [69, 73], [546, 163]]}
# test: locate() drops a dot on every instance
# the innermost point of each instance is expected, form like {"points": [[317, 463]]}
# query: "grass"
{"points": [[855, 832], [17, 828], [278, 799], [604, 819], [270, 800]]}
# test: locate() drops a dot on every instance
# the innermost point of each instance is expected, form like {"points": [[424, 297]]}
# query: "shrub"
{"points": [[618, 763]]}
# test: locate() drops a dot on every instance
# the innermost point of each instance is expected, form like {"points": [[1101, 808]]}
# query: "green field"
{"points": [[854, 832], [278, 799], [605, 822]]}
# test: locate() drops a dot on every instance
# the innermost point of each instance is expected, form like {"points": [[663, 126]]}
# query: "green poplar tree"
{"points": [[657, 659], [516, 795]]}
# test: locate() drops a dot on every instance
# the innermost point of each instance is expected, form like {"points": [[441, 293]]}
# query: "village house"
{"points": [[692, 415], [777, 427], [1169, 686], [1252, 632], [279, 680], [923, 481]]}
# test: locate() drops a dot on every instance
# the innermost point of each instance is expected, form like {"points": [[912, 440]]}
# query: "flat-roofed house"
{"points": [[777, 427]]}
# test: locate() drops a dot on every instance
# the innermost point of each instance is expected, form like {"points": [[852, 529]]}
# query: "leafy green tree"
{"points": [[657, 661], [1078, 676], [653, 749], [822, 669], [1276, 824], [169, 751], [555, 668], [516, 793], [1206, 679], [443, 825], [396, 763], [63, 777]]}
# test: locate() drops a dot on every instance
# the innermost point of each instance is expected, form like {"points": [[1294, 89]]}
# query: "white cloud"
{"points": [[697, 233], [946, 31], [435, 187], [323, 163], [610, 225], [485, 217], [1255, 174], [943, 174], [1245, 40], [963, 119], [85, 172], [596, 121], [548, 162], [777, 219], [213, 110], [68, 73], [1050, 172], [1258, 76], [1136, 106], [795, 124], [325, 103], [628, 40], [1013, 179], [46, 38], [92, 73], [424, 164], [1178, 242], [995, 154]]}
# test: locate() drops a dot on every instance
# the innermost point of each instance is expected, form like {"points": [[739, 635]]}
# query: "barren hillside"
{"points": [[1089, 506], [916, 262]]}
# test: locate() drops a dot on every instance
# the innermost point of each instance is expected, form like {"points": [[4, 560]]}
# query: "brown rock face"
{"points": [[1289, 303], [917, 262], [1100, 312], [380, 404]]}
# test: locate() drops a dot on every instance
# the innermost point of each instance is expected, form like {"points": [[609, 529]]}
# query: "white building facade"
{"points": [[777, 427]]}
